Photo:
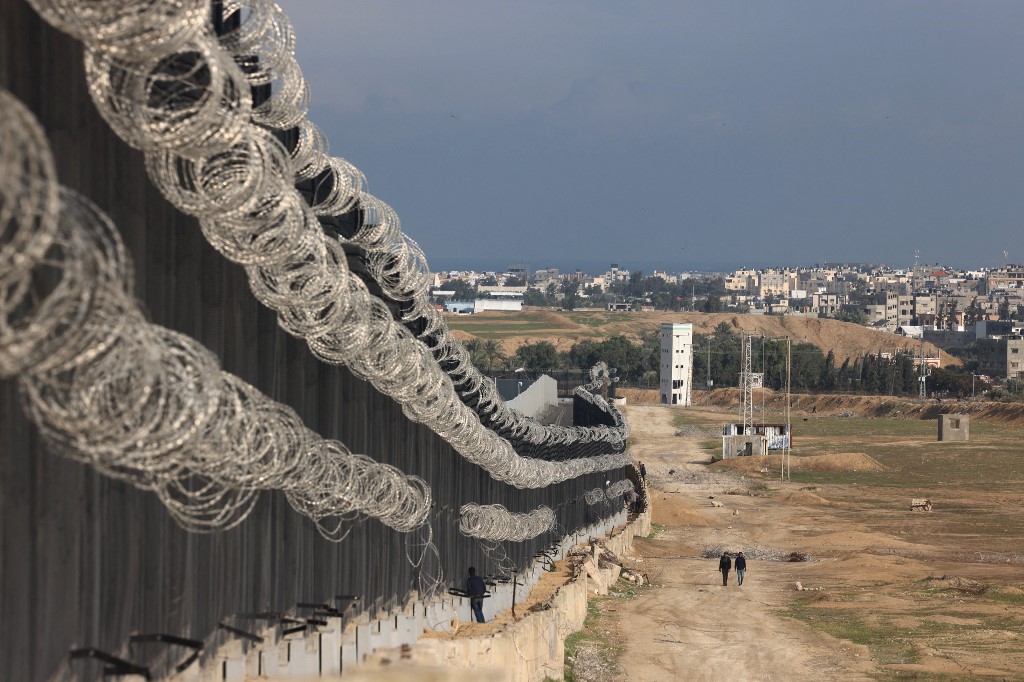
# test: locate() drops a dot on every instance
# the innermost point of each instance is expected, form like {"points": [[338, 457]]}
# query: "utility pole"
{"points": [[924, 371], [709, 384], [788, 448]]}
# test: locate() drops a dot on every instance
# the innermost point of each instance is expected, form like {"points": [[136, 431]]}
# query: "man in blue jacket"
{"points": [[476, 590], [741, 567]]}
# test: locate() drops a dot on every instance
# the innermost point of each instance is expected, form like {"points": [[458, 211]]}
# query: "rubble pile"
{"points": [[603, 567], [756, 553]]}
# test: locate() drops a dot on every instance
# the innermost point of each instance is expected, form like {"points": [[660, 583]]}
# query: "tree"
{"points": [[571, 290], [536, 297], [541, 355], [493, 353], [713, 304], [463, 290], [828, 372], [476, 353], [952, 381], [852, 315]]}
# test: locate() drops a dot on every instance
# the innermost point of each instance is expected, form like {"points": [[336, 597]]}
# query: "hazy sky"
{"points": [[576, 133]]}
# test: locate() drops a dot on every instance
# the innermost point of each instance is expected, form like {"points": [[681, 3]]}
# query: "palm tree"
{"points": [[492, 353]]}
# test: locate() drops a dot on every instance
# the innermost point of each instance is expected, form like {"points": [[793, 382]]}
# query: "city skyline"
{"points": [[714, 136]]}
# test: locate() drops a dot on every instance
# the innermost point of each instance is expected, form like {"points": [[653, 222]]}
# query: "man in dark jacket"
{"points": [[724, 564], [475, 589], [741, 567]]}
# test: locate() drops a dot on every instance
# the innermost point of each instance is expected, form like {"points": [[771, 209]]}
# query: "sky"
{"points": [[679, 135]]}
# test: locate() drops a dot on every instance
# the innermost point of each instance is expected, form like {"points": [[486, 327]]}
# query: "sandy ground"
{"points": [[690, 627], [937, 595]]}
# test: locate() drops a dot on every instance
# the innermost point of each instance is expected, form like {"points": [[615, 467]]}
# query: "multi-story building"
{"points": [[898, 309], [1001, 357], [827, 304], [773, 283], [924, 308], [1009, 277], [741, 281], [676, 363]]}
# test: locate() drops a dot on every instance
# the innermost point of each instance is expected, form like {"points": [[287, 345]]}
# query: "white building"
{"points": [[676, 363]]}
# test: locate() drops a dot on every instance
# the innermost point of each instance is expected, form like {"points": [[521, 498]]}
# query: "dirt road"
{"points": [[690, 627]]}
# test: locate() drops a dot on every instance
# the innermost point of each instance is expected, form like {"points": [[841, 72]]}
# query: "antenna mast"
{"points": [[748, 387]]}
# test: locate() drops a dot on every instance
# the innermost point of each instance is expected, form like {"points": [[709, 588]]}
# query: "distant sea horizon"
{"points": [[594, 267]]}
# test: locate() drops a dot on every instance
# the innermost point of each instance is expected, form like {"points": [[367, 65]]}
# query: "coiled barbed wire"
{"points": [[263, 35], [128, 29], [145, 404], [612, 493], [192, 104], [191, 101], [496, 523]]}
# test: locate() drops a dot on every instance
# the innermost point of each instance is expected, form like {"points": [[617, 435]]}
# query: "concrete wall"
{"points": [[484, 304], [527, 651], [946, 338], [541, 394], [735, 446], [954, 427]]}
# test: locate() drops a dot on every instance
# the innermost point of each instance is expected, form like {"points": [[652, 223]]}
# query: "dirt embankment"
{"points": [[867, 406], [564, 329]]}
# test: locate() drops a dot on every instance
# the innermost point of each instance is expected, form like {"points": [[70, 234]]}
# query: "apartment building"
{"points": [[1009, 277], [1001, 357], [773, 283], [741, 281]]}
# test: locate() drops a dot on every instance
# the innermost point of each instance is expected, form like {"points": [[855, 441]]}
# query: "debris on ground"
{"points": [[756, 553], [920, 504], [958, 584], [801, 588], [698, 432]]}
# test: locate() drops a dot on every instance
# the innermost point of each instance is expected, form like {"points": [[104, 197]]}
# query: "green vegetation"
{"points": [[943, 616], [888, 644], [593, 636], [655, 529], [908, 450], [590, 635]]}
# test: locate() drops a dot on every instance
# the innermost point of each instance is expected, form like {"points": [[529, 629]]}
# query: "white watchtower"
{"points": [[676, 363]]}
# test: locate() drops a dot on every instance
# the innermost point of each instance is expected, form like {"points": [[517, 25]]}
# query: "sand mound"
{"points": [[835, 462], [638, 396]]}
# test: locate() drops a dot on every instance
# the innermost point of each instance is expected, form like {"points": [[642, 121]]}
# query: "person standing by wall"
{"points": [[741, 567], [724, 565], [475, 589]]}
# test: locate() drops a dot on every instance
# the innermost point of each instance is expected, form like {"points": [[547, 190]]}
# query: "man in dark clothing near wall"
{"points": [[476, 590], [741, 567], [724, 565]]}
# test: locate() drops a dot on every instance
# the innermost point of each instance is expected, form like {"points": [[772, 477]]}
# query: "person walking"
{"points": [[741, 567], [643, 471], [724, 565], [475, 589]]}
